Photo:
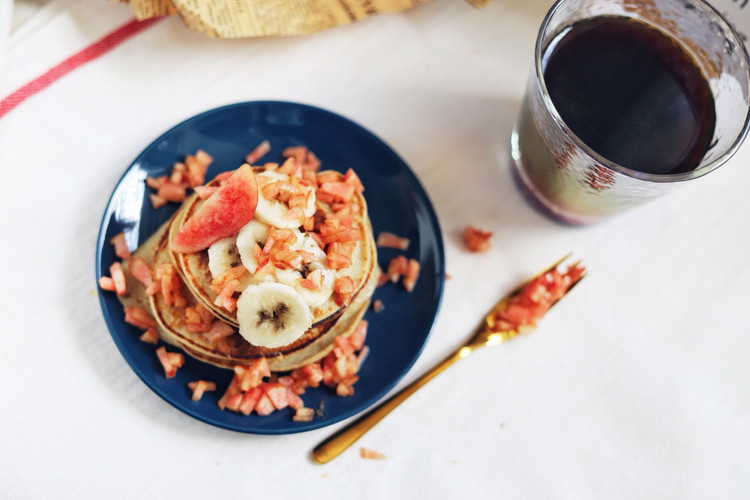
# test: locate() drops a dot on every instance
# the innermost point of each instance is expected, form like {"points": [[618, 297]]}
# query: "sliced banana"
{"points": [[222, 255], [275, 212], [293, 277], [251, 233], [313, 297], [272, 315]]}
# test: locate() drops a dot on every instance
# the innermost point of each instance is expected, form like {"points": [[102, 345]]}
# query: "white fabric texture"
{"points": [[636, 386]]}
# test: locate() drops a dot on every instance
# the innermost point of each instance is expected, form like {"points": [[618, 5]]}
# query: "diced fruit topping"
{"points": [[255, 389], [107, 283], [205, 192], [343, 289], [368, 453], [121, 247], [150, 336], [199, 387], [406, 270], [173, 187], [389, 240], [170, 361], [304, 414], [397, 268], [412, 274], [140, 270], [258, 152], [533, 301], [138, 317], [157, 201], [118, 277], [170, 284], [476, 240]]}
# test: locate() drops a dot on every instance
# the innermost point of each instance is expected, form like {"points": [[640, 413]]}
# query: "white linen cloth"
{"points": [[636, 386]]}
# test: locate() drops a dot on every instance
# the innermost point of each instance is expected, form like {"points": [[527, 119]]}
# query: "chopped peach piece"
{"points": [[258, 152], [172, 191], [138, 317], [370, 454], [150, 336], [140, 270], [107, 283], [205, 192], [390, 240], [121, 246], [118, 276], [476, 240], [304, 414], [157, 201], [412, 274], [397, 268], [199, 387], [170, 361]]}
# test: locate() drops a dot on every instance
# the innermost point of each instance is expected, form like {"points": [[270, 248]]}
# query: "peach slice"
{"points": [[221, 215]]}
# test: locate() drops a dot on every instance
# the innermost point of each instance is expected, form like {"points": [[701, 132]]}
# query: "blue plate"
{"points": [[397, 203]]}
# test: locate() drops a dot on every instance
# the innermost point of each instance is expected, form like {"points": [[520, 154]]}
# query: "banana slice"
{"points": [[272, 315], [251, 233], [222, 255], [312, 296], [322, 277], [275, 212]]}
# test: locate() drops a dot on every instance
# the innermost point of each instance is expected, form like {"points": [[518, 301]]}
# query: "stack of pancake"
{"points": [[263, 307]]}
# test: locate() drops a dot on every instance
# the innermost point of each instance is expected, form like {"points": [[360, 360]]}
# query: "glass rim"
{"points": [[662, 178]]}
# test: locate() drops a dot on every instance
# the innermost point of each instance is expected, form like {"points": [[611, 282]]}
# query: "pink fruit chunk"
{"points": [[221, 215]]}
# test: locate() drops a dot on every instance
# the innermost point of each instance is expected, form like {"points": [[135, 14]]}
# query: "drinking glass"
{"points": [[564, 177]]}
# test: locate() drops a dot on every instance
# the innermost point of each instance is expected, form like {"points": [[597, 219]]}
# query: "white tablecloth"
{"points": [[636, 386]]}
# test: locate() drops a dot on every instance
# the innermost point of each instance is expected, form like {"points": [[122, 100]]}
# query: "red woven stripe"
{"points": [[96, 49]]}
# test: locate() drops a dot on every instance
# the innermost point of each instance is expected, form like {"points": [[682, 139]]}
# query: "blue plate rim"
{"points": [[372, 398]]}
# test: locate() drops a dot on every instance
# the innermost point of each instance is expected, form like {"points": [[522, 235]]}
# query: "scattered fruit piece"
{"points": [[199, 387], [304, 414], [150, 336], [368, 453], [533, 301], [476, 240], [170, 361], [389, 240], [258, 152], [121, 247], [118, 276], [139, 318]]}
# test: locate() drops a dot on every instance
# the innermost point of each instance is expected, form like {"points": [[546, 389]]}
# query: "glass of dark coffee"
{"points": [[627, 99]]}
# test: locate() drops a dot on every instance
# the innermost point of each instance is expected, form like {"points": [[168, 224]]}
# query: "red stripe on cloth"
{"points": [[96, 49]]}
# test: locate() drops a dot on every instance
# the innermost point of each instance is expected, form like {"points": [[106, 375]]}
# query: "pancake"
{"points": [[194, 267], [234, 350], [193, 279]]}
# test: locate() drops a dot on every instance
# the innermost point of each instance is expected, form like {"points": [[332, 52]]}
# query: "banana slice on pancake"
{"points": [[315, 285], [254, 232], [222, 255], [272, 314], [278, 213]]}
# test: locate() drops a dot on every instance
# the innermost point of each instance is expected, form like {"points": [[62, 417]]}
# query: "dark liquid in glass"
{"points": [[632, 94]]}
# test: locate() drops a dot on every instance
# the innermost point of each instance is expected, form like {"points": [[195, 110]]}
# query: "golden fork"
{"points": [[490, 333]]}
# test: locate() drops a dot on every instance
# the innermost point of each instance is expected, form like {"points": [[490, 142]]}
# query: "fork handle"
{"points": [[344, 438]]}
